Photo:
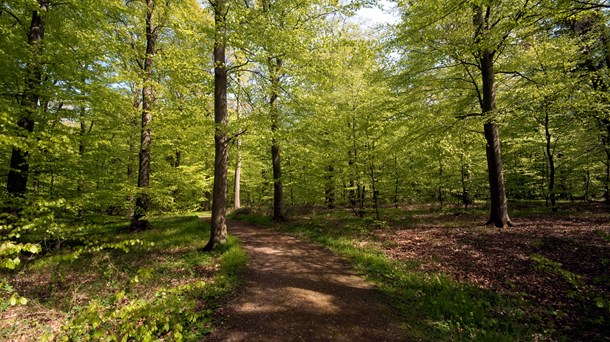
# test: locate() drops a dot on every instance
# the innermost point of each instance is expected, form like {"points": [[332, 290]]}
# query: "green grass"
{"points": [[151, 285], [432, 306]]}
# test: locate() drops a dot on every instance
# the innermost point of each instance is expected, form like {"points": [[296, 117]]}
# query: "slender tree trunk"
{"points": [[80, 187], [237, 178], [549, 155], [17, 179], [139, 221], [218, 232], [354, 184], [440, 180], [330, 187], [396, 181], [499, 207], [275, 65], [464, 178], [606, 143], [131, 158], [374, 190], [237, 185], [587, 184], [607, 178]]}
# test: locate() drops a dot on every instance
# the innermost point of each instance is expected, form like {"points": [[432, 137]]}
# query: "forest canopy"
{"points": [[113, 106]]}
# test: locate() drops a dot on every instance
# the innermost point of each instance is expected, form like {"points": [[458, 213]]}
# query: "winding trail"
{"points": [[298, 291]]}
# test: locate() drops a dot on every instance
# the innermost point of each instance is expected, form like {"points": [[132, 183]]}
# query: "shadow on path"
{"points": [[297, 291]]}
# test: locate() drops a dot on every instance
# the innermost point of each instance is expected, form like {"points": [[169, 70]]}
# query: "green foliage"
{"points": [[586, 293], [8, 297], [163, 287]]}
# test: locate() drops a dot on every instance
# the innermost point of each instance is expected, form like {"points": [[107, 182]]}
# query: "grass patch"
{"points": [[433, 306], [158, 285]]}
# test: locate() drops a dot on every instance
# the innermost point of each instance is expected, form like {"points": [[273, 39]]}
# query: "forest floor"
{"points": [[106, 283], [558, 262], [548, 277], [298, 291]]}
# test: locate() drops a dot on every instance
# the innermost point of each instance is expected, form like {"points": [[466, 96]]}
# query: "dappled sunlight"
{"points": [[294, 288]]}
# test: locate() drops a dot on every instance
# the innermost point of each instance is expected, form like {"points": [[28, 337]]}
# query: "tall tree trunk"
{"points": [[330, 187], [374, 190], [275, 65], [549, 155], [131, 158], [80, 187], [440, 181], [237, 184], [499, 207], [606, 142], [237, 178], [17, 179], [354, 186], [464, 176], [139, 221], [218, 231], [396, 181]]}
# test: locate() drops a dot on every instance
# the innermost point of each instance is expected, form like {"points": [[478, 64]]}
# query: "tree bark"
{"points": [[17, 179], [139, 221], [396, 181], [237, 178], [464, 175], [499, 207], [330, 187], [218, 231], [80, 187], [275, 65], [549, 154], [237, 185], [440, 181]]}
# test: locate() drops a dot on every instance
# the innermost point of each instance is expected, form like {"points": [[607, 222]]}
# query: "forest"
{"points": [[457, 157]]}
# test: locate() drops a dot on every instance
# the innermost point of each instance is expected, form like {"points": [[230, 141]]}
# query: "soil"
{"points": [[503, 260], [298, 291]]}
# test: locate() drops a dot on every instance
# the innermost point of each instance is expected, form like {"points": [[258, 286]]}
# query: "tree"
{"points": [[471, 43], [487, 98], [139, 221], [18, 174], [218, 234]]}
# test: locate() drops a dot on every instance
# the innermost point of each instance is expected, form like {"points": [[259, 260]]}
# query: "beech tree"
{"points": [[475, 40], [139, 222], [221, 139], [19, 166]]}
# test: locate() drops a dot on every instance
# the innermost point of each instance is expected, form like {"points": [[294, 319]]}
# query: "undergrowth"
{"points": [[162, 287]]}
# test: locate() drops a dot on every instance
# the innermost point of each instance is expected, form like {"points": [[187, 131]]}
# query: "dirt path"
{"points": [[298, 291]]}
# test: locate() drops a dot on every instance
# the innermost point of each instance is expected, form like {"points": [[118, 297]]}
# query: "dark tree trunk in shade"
{"points": [[499, 207], [278, 196], [17, 179], [551, 160], [605, 127], [218, 231], [80, 188], [275, 66], [139, 221], [330, 192]]}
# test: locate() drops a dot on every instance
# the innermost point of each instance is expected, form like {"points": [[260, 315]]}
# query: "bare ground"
{"points": [[297, 291], [503, 261]]}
